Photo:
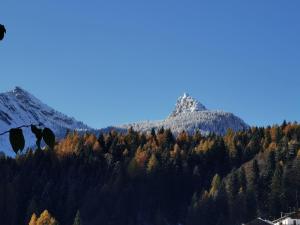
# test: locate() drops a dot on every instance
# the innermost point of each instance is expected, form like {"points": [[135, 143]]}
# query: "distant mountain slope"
{"points": [[190, 115], [18, 107]]}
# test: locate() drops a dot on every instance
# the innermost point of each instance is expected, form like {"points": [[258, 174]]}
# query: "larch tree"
{"points": [[46, 219], [152, 164], [215, 184], [33, 219]]}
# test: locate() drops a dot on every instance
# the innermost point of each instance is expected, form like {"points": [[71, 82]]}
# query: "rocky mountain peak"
{"points": [[187, 104]]}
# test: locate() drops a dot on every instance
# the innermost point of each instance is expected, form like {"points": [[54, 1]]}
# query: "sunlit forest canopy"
{"points": [[157, 178]]}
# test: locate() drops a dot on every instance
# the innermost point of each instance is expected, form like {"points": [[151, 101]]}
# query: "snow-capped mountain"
{"points": [[190, 115], [186, 104], [18, 107]]}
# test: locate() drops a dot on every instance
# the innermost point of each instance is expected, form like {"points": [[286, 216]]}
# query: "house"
{"points": [[259, 221], [288, 219], [292, 218]]}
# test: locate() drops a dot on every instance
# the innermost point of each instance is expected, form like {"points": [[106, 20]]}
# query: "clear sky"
{"points": [[112, 62]]}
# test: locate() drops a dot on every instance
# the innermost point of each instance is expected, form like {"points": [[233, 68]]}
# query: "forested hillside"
{"points": [[155, 178]]}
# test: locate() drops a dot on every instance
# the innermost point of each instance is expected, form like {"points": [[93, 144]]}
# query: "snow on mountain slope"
{"points": [[18, 107], [190, 115], [187, 104]]}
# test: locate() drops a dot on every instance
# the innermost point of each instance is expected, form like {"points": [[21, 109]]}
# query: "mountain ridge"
{"points": [[19, 107], [189, 115]]}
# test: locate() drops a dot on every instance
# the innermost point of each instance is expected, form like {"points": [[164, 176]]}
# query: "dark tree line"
{"points": [[155, 178]]}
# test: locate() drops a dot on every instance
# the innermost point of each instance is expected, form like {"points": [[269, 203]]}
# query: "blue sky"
{"points": [[111, 62]]}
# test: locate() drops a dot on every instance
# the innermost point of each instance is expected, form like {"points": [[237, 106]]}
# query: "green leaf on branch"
{"points": [[16, 139], [38, 134], [2, 32], [49, 137]]}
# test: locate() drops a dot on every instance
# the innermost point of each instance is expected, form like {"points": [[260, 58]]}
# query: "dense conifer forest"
{"points": [[155, 178]]}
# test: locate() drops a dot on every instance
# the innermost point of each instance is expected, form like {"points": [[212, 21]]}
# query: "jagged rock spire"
{"points": [[186, 104], [19, 91]]}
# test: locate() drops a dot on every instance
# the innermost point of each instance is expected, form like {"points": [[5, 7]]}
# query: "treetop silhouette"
{"points": [[2, 31], [17, 139]]}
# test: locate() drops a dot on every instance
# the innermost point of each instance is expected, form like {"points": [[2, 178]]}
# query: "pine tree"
{"points": [[255, 175], [251, 205], [77, 220], [240, 207], [196, 138], [153, 133], [233, 194], [201, 210], [101, 140], [283, 125], [271, 164], [259, 187], [243, 179], [276, 191], [221, 205], [233, 185], [168, 139], [32, 207]]}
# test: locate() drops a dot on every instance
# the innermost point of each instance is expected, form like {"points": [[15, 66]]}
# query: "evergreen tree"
{"points": [[271, 164], [243, 179], [233, 188], [251, 205], [155, 180], [255, 175], [240, 207], [77, 220], [101, 141], [233, 185], [221, 205], [276, 192]]}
